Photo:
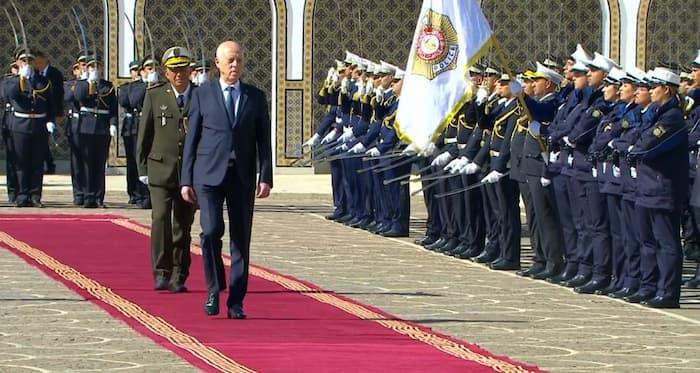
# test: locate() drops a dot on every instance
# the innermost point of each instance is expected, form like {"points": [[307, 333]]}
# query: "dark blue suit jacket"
{"points": [[213, 139]]}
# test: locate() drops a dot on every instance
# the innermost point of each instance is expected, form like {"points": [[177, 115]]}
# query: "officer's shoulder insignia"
{"points": [[163, 108], [625, 124], [155, 85], [596, 114], [659, 130]]}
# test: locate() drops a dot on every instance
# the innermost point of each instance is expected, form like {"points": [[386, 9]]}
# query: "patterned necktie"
{"points": [[231, 103]]}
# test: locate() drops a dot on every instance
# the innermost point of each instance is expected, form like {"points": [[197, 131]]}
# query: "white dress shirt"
{"points": [[237, 91]]}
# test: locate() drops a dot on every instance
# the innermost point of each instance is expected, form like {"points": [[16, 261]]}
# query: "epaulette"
{"points": [[154, 85]]}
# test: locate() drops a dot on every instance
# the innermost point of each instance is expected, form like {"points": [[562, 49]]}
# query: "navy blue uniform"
{"points": [[662, 189], [10, 167], [77, 163], [98, 111], [131, 98], [32, 106]]}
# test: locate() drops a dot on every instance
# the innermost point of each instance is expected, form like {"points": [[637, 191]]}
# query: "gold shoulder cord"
{"points": [[498, 126], [38, 93]]}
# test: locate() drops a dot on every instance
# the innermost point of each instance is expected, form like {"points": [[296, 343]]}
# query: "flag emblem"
{"points": [[437, 46]]}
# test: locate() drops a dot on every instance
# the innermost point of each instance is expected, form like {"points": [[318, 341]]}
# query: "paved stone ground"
{"points": [[528, 320]]}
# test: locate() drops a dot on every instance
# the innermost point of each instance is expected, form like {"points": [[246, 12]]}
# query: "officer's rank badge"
{"points": [[437, 46], [625, 124], [596, 114], [659, 131], [608, 127]]}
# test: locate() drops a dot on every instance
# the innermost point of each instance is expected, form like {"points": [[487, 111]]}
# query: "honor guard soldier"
{"points": [[10, 164], [131, 102], [662, 169], [543, 108], [98, 122], [77, 163], [161, 136], [693, 121], [44, 68], [33, 116]]}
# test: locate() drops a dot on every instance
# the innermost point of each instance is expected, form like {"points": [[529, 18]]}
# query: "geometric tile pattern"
{"points": [[294, 122], [668, 32]]}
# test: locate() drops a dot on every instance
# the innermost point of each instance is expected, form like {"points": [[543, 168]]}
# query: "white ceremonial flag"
{"points": [[450, 37]]}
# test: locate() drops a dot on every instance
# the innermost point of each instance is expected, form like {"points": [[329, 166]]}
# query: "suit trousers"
{"points": [[432, 224], [94, 151], [474, 233], [548, 225], [239, 200], [29, 161], [509, 219], [136, 190], [631, 241], [618, 259], [339, 198], [10, 165], [662, 255], [171, 225], [565, 213], [532, 224], [77, 167]]}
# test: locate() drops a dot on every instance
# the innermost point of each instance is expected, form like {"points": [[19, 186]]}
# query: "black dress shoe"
{"points": [[362, 224], [345, 219], [535, 268], [485, 257], [567, 275], [609, 289], [552, 270], [694, 282], [638, 297], [211, 307], [131, 201], [592, 286], [661, 302], [78, 202], [622, 293], [236, 312], [23, 203], [394, 233], [37, 203], [578, 280], [458, 249], [470, 253], [504, 265], [50, 170], [380, 227], [437, 244], [354, 222], [450, 245], [427, 240], [143, 204], [334, 216], [90, 204], [178, 288], [161, 283]]}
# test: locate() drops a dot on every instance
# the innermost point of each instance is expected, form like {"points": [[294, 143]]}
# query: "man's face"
{"points": [[528, 87], [627, 92], [398, 86], [231, 63], [477, 78], [14, 70], [580, 80], [568, 73], [134, 73], [696, 75], [83, 66], [659, 94], [491, 81], [541, 87], [595, 77], [642, 96], [178, 76], [40, 62], [386, 81], [76, 72], [503, 89]]}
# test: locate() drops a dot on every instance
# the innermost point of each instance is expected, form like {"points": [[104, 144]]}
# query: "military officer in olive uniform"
{"points": [[161, 136]]}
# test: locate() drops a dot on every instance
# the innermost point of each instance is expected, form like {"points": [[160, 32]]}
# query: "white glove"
{"points": [[379, 92], [330, 74], [360, 87], [492, 177], [374, 152], [545, 182], [358, 148], [553, 156], [344, 85], [370, 86], [569, 143], [335, 77], [410, 150], [616, 171], [481, 95], [515, 88], [330, 137], [26, 71], [342, 147], [201, 79], [441, 159], [93, 76], [429, 150], [143, 179], [112, 130], [470, 169], [347, 136], [313, 141], [51, 127], [611, 144], [455, 164]]}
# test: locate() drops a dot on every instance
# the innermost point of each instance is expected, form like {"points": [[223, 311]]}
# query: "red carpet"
{"points": [[292, 326]]}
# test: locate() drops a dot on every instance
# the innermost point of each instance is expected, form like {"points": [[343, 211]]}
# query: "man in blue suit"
{"points": [[229, 130]]}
